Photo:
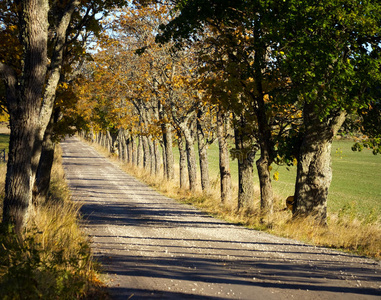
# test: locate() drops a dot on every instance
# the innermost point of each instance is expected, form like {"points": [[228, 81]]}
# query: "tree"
{"points": [[337, 46], [320, 57], [242, 54], [224, 158], [44, 30]]}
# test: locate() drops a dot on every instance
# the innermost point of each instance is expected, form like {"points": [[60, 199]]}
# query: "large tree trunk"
{"points": [[20, 174], [245, 158], [267, 196], [24, 106], [182, 161], [203, 154], [314, 173], [224, 159]]}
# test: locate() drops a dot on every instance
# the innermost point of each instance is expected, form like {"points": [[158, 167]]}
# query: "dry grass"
{"points": [[54, 259]]}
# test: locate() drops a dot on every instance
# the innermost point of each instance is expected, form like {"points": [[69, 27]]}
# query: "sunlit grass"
{"points": [[53, 260], [4, 141]]}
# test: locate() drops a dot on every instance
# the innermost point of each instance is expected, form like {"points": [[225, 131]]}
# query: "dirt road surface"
{"points": [[152, 247]]}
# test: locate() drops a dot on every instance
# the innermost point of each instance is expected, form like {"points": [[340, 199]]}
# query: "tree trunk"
{"points": [[191, 158], [121, 144], [42, 183], [126, 149], [133, 151], [157, 156], [164, 158], [139, 159], [314, 173], [20, 175], [152, 158], [224, 161], [110, 142], [182, 161], [168, 149], [25, 109], [245, 164], [203, 155], [146, 153], [264, 128], [102, 139], [267, 196]]}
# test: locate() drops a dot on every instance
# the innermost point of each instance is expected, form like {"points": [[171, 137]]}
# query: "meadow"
{"points": [[4, 141], [356, 182]]}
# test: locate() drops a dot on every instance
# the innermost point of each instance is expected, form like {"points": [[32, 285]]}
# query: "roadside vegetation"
{"points": [[147, 76], [52, 260], [351, 227]]}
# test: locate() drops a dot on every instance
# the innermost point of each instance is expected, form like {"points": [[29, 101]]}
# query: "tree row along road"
{"points": [[152, 247]]}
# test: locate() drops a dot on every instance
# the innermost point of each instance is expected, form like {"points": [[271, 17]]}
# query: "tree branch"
{"points": [[56, 62]]}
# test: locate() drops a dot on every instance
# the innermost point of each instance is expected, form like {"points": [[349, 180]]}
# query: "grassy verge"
{"points": [[346, 231], [54, 259]]}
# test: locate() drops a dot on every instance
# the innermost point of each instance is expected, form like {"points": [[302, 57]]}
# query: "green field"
{"points": [[356, 183], [4, 140]]}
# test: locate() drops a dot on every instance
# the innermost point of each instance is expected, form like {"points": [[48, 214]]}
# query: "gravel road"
{"points": [[152, 247]]}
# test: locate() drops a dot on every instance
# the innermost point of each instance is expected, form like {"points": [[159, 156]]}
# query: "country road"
{"points": [[152, 247]]}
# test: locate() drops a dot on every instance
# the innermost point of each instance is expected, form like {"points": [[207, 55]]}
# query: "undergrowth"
{"points": [[52, 260], [346, 231]]}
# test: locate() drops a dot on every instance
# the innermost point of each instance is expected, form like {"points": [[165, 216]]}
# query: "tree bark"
{"points": [[139, 157], [121, 144], [109, 142], [146, 153], [42, 183], [152, 157], [191, 158], [168, 149], [203, 154], [224, 161], [267, 196], [245, 158], [182, 161], [264, 128], [134, 151], [314, 173], [158, 161], [126, 149], [24, 106]]}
